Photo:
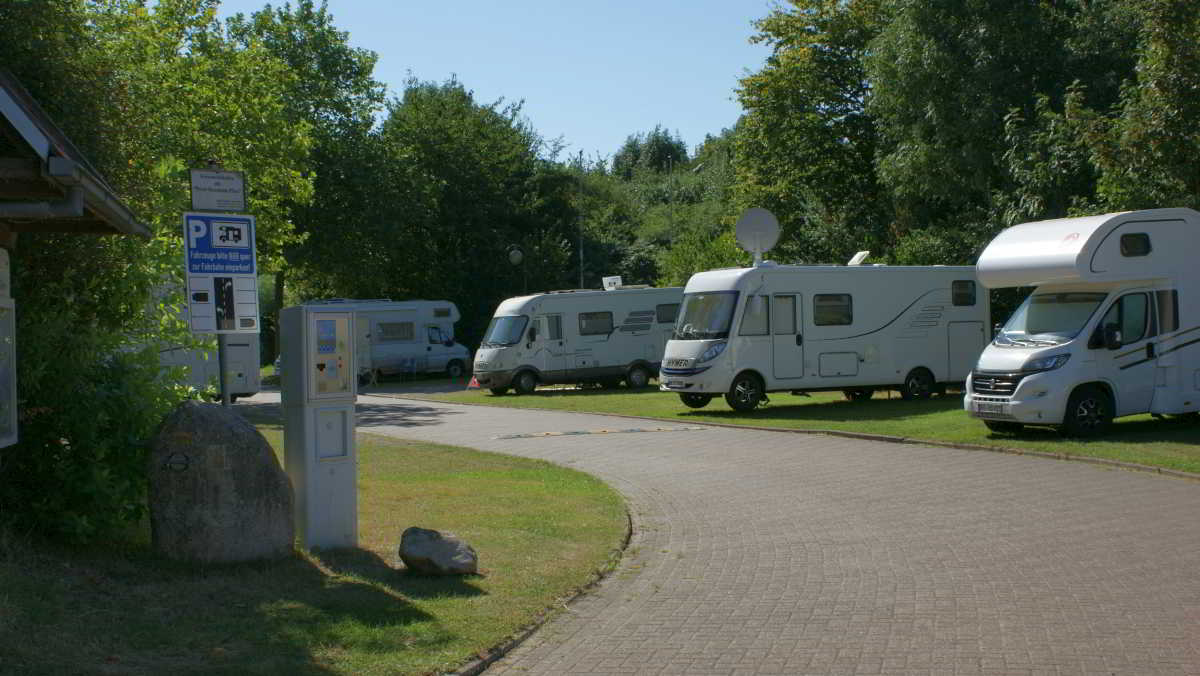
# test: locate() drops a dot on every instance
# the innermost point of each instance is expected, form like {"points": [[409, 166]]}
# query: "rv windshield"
{"points": [[706, 315], [505, 330], [1049, 318]]}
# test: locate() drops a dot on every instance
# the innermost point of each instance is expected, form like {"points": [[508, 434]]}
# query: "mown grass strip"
{"points": [[1170, 444], [540, 531]]}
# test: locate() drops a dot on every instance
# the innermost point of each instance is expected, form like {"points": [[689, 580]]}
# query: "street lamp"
{"points": [[516, 257]]}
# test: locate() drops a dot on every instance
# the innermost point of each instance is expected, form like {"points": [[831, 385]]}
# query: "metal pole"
{"points": [[222, 364]]}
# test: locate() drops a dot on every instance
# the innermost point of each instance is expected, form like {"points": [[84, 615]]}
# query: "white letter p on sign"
{"points": [[196, 230]]}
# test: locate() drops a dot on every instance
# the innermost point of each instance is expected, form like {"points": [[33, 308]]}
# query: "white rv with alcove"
{"points": [[744, 332], [581, 336], [1112, 329], [409, 336]]}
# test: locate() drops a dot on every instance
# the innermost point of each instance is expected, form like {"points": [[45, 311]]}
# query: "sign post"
{"points": [[222, 278]]}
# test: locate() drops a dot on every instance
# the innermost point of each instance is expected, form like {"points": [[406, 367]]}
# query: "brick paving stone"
{"points": [[771, 552]]}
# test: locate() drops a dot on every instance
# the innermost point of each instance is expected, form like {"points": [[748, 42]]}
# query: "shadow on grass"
{"points": [[1135, 430], [785, 406], [400, 414], [368, 565], [150, 615]]}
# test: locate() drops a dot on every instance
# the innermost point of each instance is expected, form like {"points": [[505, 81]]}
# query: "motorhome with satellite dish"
{"points": [[580, 336], [744, 332], [408, 336], [1112, 329]]}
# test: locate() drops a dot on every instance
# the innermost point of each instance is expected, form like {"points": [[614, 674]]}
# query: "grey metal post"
{"points": [[222, 364]]}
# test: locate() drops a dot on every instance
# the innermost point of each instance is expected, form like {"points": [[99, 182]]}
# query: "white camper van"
{"points": [[409, 336], [1112, 329], [578, 336], [743, 332], [203, 366]]}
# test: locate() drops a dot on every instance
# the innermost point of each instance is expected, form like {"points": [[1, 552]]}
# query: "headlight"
{"points": [[712, 352], [1046, 363]]}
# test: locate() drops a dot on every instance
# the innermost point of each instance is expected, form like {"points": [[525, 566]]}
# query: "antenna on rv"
{"points": [[757, 231], [859, 258]]}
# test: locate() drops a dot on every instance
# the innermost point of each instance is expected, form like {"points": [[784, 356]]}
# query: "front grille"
{"points": [[984, 382], [481, 366]]}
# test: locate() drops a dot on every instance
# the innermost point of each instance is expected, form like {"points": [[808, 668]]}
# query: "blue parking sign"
{"points": [[222, 276]]}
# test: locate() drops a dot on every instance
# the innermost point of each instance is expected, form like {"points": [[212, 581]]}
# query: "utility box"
{"points": [[318, 389]]}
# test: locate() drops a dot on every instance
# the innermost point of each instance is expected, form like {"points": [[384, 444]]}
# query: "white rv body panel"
{"points": [[202, 364], [578, 336], [409, 336], [825, 327], [1136, 270]]}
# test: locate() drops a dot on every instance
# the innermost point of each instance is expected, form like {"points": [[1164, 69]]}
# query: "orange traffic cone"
{"points": [[473, 385]]}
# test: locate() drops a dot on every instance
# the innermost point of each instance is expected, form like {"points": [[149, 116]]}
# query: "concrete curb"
{"points": [[1179, 474]]}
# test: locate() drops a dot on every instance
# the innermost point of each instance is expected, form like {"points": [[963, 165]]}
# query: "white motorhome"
{"points": [[202, 365], [744, 332], [409, 336], [1112, 329], [581, 336]]}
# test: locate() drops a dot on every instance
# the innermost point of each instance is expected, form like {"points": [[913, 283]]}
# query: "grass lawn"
{"points": [[540, 531], [1172, 444]]}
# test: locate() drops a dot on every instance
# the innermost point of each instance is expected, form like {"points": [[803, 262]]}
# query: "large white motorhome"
{"points": [[744, 332], [408, 336], [202, 365], [581, 336], [1112, 329]]}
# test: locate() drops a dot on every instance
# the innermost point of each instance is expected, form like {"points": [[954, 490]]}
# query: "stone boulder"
{"points": [[429, 552], [217, 492]]}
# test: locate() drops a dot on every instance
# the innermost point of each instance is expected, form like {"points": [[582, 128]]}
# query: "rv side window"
{"points": [[595, 323], [1135, 244], [1129, 314], [833, 309], [555, 330], [754, 317], [962, 292], [441, 312], [665, 314], [396, 332], [1168, 310], [785, 315]]}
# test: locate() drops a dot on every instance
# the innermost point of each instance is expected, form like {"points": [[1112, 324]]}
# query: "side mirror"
{"points": [[532, 333], [1112, 337], [449, 342]]}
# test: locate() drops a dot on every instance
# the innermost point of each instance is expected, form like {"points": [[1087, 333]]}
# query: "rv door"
{"points": [[552, 358], [787, 340]]}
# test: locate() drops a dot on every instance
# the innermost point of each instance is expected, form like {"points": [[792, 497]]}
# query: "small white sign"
{"points": [[611, 283], [218, 190]]}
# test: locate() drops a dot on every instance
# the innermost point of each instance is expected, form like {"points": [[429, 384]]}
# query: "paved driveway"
{"points": [[777, 553]]}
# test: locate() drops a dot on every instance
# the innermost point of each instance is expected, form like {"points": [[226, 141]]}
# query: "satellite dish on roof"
{"points": [[757, 231]]}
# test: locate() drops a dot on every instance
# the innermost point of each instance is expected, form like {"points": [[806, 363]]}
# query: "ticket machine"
{"points": [[318, 388]]}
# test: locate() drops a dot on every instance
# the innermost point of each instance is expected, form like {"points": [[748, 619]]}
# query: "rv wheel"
{"points": [[638, 377], [918, 384], [1089, 412], [693, 400], [858, 393], [525, 382], [745, 393], [454, 369]]}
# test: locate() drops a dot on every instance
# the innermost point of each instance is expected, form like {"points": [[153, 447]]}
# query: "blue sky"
{"points": [[590, 72]]}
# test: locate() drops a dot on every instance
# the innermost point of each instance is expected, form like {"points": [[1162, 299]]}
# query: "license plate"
{"points": [[985, 408], [672, 384]]}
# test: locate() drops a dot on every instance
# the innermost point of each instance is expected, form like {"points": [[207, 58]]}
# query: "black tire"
{"points": [[1089, 412], [525, 382], [918, 384], [637, 378], [745, 394], [858, 393], [499, 391], [1003, 426], [694, 400], [455, 369]]}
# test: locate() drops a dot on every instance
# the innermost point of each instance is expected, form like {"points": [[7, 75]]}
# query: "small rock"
{"points": [[429, 552]]}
